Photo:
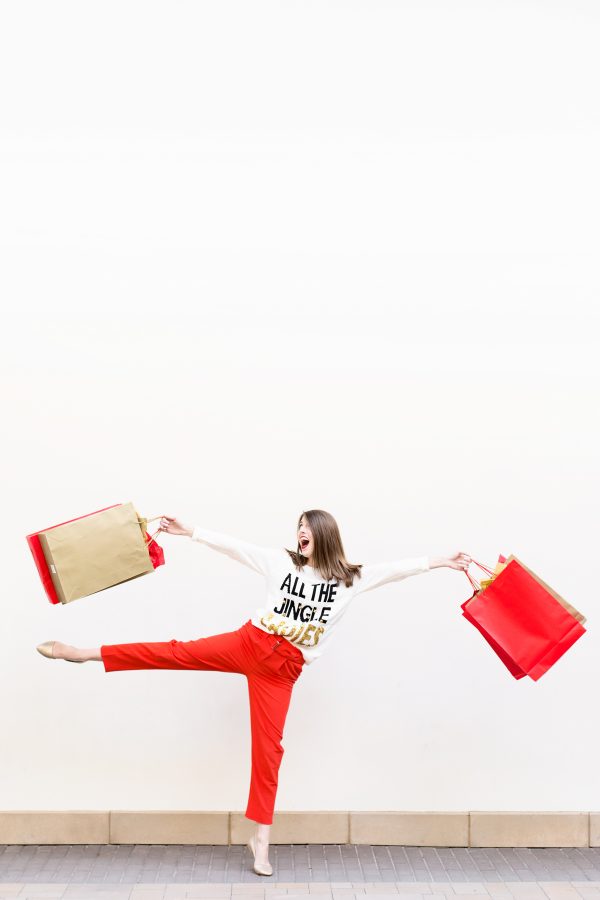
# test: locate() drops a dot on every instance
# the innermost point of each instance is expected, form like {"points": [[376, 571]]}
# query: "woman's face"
{"points": [[305, 538]]}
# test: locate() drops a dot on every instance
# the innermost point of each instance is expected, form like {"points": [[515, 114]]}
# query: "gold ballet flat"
{"points": [[259, 868], [46, 649]]}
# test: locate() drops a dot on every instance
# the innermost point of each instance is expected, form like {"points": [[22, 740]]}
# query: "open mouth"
{"points": [[303, 544]]}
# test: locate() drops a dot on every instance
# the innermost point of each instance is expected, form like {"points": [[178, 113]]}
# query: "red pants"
{"points": [[272, 666]]}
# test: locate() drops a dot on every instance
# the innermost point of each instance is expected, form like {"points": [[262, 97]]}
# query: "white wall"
{"points": [[262, 257]]}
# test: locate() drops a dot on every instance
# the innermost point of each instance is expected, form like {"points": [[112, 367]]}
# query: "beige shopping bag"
{"points": [[95, 552]]}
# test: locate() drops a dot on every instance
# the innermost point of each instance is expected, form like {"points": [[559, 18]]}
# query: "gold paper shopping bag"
{"points": [[98, 551]]}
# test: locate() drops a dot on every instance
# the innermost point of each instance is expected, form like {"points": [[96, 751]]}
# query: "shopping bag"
{"points": [[574, 612], [157, 555], [90, 553], [95, 552], [522, 619], [510, 664], [39, 559], [502, 562]]}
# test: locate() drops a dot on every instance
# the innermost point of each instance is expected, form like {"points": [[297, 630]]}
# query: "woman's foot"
{"points": [[261, 868], [261, 847], [58, 650]]}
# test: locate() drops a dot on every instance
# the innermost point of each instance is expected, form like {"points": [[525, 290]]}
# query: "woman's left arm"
{"points": [[456, 561], [377, 574]]}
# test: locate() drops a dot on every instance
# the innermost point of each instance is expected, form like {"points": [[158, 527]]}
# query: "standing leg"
{"points": [[270, 697]]}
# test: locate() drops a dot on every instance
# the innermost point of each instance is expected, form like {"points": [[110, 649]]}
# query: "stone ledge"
{"points": [[168, 827], [407, 828], [529, 829], [421, 829], [54, 827], [321, 827]]}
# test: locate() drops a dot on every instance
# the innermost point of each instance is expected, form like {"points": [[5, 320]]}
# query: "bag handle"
{"points": [[475, 584], [155, 533], [481, 566]]}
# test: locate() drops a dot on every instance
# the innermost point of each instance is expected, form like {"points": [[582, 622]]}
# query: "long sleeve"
{"points": [[375, 575], [256, 558]]}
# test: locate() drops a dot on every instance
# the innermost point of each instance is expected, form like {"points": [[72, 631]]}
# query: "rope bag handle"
{"points": [[474, 584], [155, 533]]}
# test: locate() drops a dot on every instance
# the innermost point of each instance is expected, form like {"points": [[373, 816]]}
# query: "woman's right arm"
{"points": [[255, 557]]}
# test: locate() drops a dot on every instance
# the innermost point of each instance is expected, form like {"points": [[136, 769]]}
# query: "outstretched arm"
{"points": [[255, 557], [375, 575]]}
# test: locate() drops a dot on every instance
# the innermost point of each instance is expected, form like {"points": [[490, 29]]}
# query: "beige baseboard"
{"points": [[417, 829]]}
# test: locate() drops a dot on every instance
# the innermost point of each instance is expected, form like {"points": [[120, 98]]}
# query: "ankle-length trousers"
{"points": [[271, 664]]}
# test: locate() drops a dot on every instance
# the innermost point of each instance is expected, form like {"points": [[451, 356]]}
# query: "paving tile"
{"points": [[86, 891], [44, 890], [526, 889], [383, 896], [220, 890], [294, 895], [376, 887], [555, 891], [297, 887], [469, 887], [201, 891], [147, 895], [420, 887], [465, 895], [148, 889]]}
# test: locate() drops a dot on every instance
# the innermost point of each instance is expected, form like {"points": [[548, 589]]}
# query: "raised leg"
{"points": [[224, 652]]}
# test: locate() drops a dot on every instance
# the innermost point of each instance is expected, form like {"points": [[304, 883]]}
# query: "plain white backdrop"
{"points": [[263, 257]]}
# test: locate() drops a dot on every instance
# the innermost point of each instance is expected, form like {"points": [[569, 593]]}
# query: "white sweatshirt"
{"points": [[301, 606]]}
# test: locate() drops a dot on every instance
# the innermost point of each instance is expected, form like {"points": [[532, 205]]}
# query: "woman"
{"points": [[308, 592]]}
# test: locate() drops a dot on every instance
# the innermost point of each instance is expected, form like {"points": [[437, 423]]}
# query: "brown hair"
{"points": [[328, 553]]}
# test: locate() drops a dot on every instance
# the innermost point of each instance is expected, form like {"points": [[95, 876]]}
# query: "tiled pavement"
{"points": [[171, 872]]}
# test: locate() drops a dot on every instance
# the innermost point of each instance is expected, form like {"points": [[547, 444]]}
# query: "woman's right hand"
{"points": [[173, 526]]}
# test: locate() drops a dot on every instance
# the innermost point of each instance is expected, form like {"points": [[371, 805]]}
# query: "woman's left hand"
{"points": [[459, 561]]}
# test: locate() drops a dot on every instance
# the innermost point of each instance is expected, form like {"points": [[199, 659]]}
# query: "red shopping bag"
{"points": [[155, 552], [521, 620], [157, 556], [510, 664]]}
